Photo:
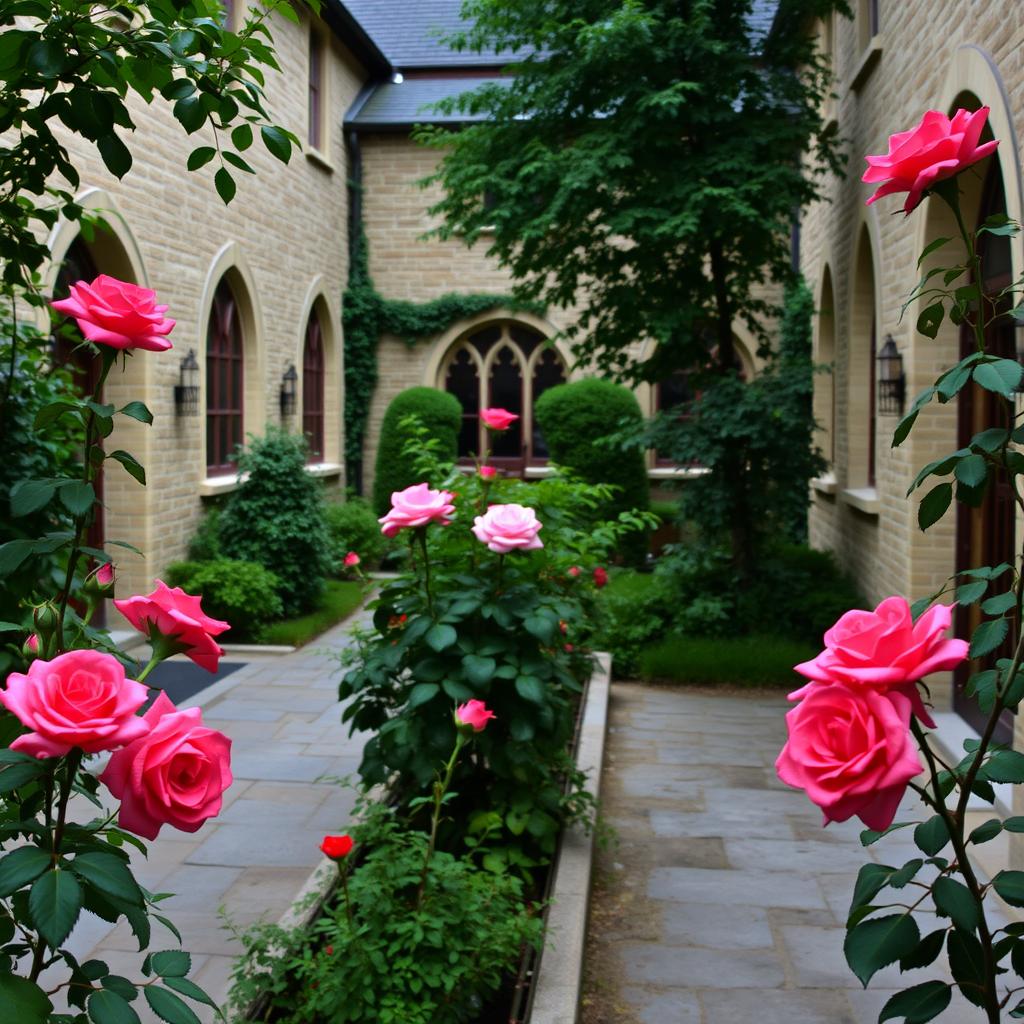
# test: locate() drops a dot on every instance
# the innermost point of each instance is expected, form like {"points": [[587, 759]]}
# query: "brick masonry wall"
{"points": [[284, 236]]}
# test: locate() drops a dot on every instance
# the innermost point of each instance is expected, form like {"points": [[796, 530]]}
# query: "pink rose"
{"points": [[79, 699], [505, 528], [938, 148], [176, 775], [32, 643], [885, 650], [351, 560], [418, 505], [600, 577], [851, 750], [574, 571], [170, 612], [101, 580], [474, 713], [488, 472], [498, 419], [118, 314]]}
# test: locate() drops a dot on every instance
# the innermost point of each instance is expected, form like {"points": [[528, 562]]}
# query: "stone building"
{"points": [[861, 263]]}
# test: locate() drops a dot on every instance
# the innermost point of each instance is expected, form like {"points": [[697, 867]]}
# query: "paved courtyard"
{"points": [[724, 899]]}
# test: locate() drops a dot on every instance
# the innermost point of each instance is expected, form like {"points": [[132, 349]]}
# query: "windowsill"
{"points": [[677, 472], [213, 486], [869, 59], [323, 469], [863, 499], [314, 156], [825, 484]]}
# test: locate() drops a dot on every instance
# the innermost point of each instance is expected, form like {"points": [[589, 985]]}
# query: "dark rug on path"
{"points": [[182, 680]]}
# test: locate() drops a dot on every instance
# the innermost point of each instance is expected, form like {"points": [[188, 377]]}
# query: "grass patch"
{"points": [[339, 599], [737, 661]]}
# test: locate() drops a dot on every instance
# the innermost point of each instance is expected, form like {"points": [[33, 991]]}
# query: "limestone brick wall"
{"points": [[926, 55], [283, 243]]}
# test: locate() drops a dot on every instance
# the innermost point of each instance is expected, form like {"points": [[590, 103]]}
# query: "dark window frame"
{"points": [[313, 388], [315, 132], [225, 375]]}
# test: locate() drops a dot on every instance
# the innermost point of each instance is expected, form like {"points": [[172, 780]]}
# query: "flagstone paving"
{"points": [[724, 899], [288, 743]]}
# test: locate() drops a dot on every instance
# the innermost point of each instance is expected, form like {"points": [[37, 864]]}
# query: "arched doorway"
{"points": [[510, 366]]}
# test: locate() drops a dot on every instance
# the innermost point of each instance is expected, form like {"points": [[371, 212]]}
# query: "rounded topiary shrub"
{"points": [[439, 412], [352, 526], [574, 419], [276, 519]]}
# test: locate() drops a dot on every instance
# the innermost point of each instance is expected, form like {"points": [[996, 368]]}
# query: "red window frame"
{"points": [[224, 381], [313, 379], [316, 75]]}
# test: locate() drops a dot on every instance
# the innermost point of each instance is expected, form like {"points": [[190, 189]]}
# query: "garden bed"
{"points": [[546, 989]]}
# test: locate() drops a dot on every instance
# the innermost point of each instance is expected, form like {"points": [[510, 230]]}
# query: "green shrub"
{"points": [[242, 593], [395, 470], [205, 543], [576, 420], [733, 661], [276, 518], [352, 526], [634, 610], [339, 599]]}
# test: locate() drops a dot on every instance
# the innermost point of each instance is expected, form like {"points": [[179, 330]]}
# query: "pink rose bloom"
{"points": [[600, 577], [105, 575], [851, 750], [171, 612], [118, 314], [505, 528], [474, 713], [938, 148], [885, 650], [574, 571], [498, 419], [488, 472], [176, 775], [351, 559], [79, 699], [418, 505]]}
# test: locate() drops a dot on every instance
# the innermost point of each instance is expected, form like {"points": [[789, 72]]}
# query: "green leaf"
{"points": [[1010, 884], [23, 1001], [190, 113], [277, 142], [171, 963], [938, 243], [905, 425], [988, 636], [478, 670], [137, 411], [542, 627], [122, 986], [21, 866], [54, 903], [986, 831], [932, 835], [200, 157], [457, 690], [878, 942], [116, 155], [28, 496], [440, 637], [869, 835], [109, 874], [18, 773], [1014, 824], [919, 1004], [871, 879], [1005, 766], [906, 873], [77, 497], [421, 693], [954, 900], [190, 989], [241, 137], [130, 463], [51, 413], [1001, 376], [225, 185], [169, 1007], [934, 504], [930, 320], [236, 161], [106, 1007], [967, 964], [969, 593], [971, 471], [925, 952], [999, 604], [532, 689]]}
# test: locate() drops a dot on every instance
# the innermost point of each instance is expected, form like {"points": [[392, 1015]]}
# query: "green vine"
{"points": [[367, 315]]}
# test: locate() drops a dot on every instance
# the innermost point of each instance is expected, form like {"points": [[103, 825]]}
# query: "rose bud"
{"points": [[351, 559], [474, 714]]}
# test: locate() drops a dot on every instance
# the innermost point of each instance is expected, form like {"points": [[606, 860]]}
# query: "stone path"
{"points": [[284, 719], [724, 900]]}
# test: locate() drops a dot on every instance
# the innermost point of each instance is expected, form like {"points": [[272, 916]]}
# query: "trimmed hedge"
{"points": [[574, 418], [439, 412]]}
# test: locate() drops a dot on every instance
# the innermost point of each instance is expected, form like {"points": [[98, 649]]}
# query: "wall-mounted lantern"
{"points": [[186, 391], [288, 389], [892, 382]]}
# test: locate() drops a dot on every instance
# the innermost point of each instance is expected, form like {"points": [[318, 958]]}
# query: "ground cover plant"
{"points": [[858, 733]]}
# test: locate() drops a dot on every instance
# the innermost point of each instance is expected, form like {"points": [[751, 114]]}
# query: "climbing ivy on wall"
{"points": [[367, 315]]}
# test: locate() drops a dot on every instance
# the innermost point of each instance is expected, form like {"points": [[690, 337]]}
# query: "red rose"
{"points": [[336, 847], [600, 577]]}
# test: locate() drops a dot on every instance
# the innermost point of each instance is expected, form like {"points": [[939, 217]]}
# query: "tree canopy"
{"points": [[645, 162]]}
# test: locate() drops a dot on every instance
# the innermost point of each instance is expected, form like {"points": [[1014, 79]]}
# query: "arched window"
{"points": [[313, 388], [509, 366], [224, 380], [825, 382], [861, 423]]}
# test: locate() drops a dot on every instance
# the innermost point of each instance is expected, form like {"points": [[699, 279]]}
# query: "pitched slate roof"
{"points": [[393, 105]]}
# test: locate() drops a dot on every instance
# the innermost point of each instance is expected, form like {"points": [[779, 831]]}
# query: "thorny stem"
{"points": [[440, 788]]}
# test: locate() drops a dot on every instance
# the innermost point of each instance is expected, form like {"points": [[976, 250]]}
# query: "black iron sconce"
{"points": [[892, 382], [186, 391], [288, 389]]}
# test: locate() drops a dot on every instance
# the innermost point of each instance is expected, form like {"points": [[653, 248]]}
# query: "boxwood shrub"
{"points": [[439, 412]]}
